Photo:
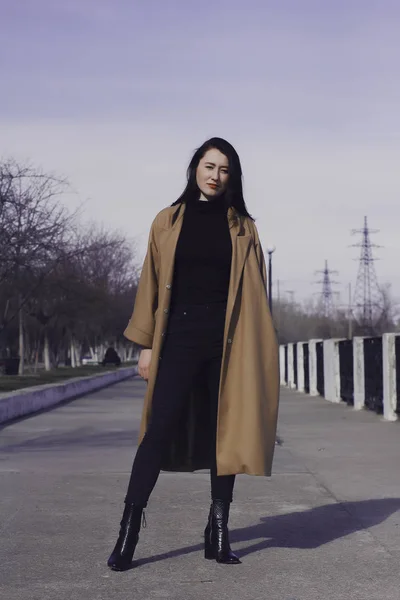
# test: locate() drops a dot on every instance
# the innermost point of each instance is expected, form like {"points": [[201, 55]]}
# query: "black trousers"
{"points": [[194, 340]]}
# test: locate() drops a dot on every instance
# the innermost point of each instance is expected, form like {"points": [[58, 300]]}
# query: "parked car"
{"points": [[89, 360]]}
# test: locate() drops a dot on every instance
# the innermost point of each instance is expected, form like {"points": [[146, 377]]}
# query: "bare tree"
{"points": [[64, 288], [33, 224], [87, 299], [301, 322]]}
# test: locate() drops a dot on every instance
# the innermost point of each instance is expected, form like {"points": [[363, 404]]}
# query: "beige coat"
{"points": [[249, 385]]}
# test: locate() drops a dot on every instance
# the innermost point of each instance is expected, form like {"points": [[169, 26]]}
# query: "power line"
{"points": [[367, 303], [326, 294], [291, 295]]}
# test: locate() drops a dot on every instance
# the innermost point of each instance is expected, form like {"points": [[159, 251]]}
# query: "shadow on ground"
{"points": [[307, 529], [83, 437]]}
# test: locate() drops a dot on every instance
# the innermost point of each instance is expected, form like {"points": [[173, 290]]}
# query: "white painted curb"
{"points": [[29, 400]]}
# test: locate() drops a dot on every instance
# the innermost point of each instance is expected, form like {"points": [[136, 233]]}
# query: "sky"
{"points": [[116, 96]]}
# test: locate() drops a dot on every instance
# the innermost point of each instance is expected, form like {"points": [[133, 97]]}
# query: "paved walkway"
{"points": [[326, 526]]}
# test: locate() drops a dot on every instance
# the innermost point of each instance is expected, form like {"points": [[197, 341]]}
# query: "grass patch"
{"points": [[10, 383]]}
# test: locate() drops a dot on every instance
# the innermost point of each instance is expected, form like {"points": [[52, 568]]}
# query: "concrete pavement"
{"points": [[326, 526]]}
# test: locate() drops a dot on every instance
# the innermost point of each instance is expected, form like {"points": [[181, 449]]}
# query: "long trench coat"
{"points": [[249, 382]]}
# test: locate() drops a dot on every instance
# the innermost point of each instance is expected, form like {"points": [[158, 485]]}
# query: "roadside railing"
{"points": [[363, 372]]}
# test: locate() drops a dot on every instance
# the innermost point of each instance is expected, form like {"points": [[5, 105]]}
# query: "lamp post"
{"points": [[270, 250]]}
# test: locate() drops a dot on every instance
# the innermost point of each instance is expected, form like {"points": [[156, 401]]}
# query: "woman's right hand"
{"points": [[144, 363]]}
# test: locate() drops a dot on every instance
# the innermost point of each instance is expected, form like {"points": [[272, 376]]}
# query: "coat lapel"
{"points": [[240, 245], [168, 240]]}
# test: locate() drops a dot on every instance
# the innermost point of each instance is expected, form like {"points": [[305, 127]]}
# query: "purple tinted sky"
{"points": [[95, 58], [117, 95]]}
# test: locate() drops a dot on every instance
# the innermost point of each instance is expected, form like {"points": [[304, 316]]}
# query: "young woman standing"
{"points": [[210, 355]]}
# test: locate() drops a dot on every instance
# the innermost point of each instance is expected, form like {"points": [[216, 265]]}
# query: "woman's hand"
{"points": [[144, 363]]}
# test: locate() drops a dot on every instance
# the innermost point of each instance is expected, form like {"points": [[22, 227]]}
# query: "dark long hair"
{"points": [[233, 195]]}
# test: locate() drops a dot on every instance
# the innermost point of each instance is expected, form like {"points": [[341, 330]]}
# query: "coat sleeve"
{"points": [[140, 328]]}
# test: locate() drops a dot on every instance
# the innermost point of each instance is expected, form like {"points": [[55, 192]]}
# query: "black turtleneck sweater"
{"points": [[203, 255]]}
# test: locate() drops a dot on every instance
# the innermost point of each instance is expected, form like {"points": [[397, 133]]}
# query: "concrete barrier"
{"points": [[355, 376], [358, 373], [300, 367], [290, 381], [30, 400], [312, 366]]}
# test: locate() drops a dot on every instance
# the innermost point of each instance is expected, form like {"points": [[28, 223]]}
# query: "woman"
{"points": [[209, 352]]}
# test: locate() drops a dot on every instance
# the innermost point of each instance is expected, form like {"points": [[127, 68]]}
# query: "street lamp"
{"points": [[270, 250]]}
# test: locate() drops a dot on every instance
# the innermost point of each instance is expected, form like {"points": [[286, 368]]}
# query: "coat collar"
{"points": [[179, 210]]}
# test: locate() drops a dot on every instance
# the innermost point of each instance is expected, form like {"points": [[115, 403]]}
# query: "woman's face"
{"points": [[212, 174]]}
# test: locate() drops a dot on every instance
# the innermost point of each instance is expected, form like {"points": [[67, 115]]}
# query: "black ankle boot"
{"points": [[121, 556], [216, 535]]}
